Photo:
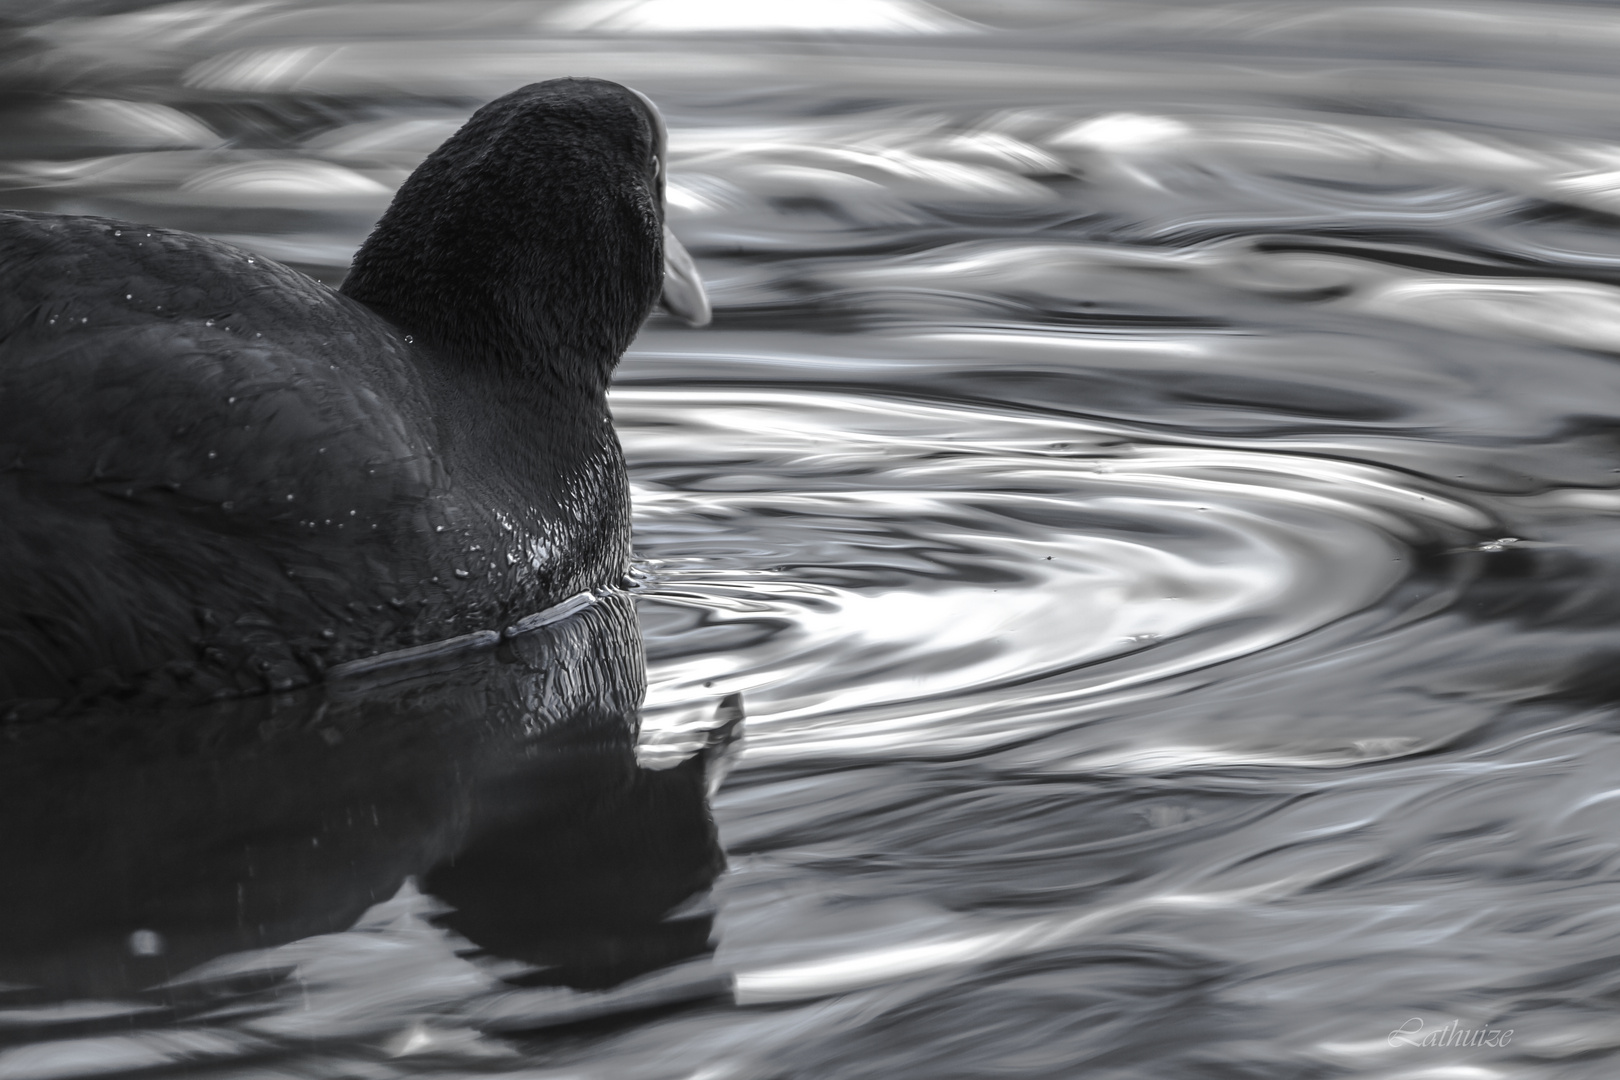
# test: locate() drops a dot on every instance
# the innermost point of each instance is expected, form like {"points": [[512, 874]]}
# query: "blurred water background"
{"points": [[1153, 478]]}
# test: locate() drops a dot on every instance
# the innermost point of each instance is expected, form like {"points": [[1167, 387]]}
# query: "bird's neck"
{"points": [[547, 304]]}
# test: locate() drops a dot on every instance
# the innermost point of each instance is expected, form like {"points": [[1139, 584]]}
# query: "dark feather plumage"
{"points": [[218, 476]]}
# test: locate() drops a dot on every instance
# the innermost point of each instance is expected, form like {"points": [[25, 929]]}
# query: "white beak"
{"points": [[683, 296]]}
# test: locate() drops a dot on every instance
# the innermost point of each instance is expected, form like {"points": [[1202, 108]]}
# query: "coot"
{"points": [[218, 476]]}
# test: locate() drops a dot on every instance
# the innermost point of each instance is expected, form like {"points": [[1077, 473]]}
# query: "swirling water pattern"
{"points": [[1152, 477]]}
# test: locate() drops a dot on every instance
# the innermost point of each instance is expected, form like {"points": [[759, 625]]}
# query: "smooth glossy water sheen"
{"points": [[1153, 476]]}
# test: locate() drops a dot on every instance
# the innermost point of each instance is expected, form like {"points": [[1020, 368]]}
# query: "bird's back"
{"points": [[190, 439]]}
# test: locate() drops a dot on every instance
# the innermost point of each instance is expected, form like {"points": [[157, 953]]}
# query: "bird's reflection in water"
{"points": [[141, 845]]}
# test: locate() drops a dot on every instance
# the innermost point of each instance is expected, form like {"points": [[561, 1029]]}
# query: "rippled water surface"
{"points": [[1152, 478]]}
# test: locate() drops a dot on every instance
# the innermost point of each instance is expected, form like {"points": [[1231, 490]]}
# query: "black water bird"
{"points": [[218, 476]]}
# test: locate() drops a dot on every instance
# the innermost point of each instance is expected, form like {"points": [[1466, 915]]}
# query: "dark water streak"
{"points": [[1152, 476]]}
